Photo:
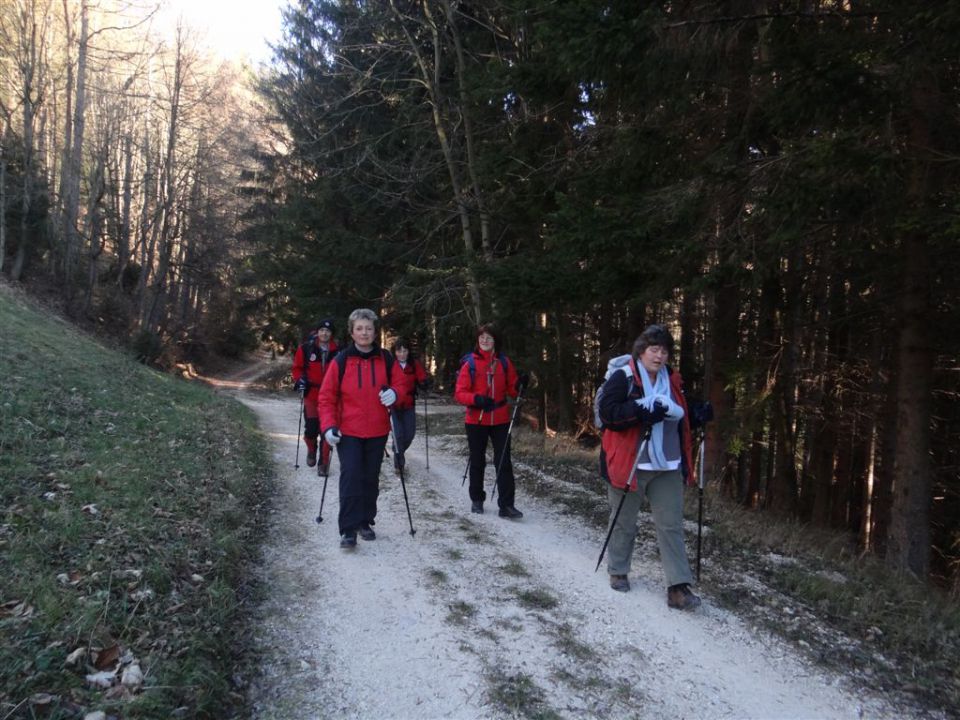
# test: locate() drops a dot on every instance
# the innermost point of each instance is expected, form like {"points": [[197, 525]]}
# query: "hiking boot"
{"points": [[312, 457], [323, 469], [679, 597], [367, 533], [348, 539], [477, 507], [510, 512], [620, 583]]}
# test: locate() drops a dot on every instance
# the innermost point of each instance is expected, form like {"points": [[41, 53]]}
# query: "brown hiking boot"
{"points": [[312, 457], [679, 597], [620, 583]]}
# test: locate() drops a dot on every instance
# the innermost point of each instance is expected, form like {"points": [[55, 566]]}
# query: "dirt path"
{"points": [[481, 617]]}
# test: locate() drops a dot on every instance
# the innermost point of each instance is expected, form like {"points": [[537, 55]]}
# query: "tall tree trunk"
{"points": [[74, 167], [430, 82], [908, 547]]}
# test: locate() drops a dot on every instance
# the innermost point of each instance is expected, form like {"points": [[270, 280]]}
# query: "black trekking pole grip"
{"points": [[296, 460]]}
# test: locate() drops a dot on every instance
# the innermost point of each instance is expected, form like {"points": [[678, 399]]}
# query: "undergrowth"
{"points": [[129, 502]]}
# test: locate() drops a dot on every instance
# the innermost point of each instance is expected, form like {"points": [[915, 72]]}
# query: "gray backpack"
{"points": [[617, 364]]}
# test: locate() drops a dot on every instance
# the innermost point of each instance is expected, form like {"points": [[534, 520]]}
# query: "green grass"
{"points": [[129, 501], [537, 599], [519, 696]]}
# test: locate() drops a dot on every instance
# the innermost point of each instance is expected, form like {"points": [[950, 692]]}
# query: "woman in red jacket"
{"points": [[486, 379], [310, 364], [354, 405], [409, 376]]}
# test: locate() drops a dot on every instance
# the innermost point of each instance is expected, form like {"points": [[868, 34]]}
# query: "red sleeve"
{"points": [[421, 372], [328, 399], [511, 379], [298, 364], [463, 392]]}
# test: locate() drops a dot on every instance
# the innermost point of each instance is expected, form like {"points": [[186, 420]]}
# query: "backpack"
{"points": [[616, 364], [471, 364], [341, 360]]}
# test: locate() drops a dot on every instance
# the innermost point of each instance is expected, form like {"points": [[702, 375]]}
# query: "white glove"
{"points": [[332, 436], [388, 397]]}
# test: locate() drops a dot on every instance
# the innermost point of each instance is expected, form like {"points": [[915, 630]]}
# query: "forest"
{"points": [[775, 181]]}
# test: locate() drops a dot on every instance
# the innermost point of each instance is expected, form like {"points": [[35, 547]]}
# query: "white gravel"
{"points": [[480, 617]]}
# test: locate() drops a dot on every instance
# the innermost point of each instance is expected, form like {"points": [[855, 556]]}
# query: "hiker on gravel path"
{"points": [[310, 363], [354, 406], [409, 376], [646, 420], [487, 378]]}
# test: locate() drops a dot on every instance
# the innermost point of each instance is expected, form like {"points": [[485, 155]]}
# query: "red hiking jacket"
{"points": [[353, 405], [491, 380], [317, 362], [405, 381], [622, 440]]}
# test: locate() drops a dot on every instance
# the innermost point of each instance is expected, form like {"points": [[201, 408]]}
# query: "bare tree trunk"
{"points": [[431, 84], [3, 193], [74, 167]]}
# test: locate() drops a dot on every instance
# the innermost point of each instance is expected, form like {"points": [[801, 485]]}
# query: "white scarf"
{"points": [[658, 392]]}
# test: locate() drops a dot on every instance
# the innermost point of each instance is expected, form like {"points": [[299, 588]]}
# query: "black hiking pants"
{"points": [[360, 460], [477, 438]]}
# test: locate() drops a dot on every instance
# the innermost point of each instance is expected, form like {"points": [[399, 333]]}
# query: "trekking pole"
{"points": [[296, 461], [467, 468], [326, 474], [703, 442], [626, 489], [403, 484], [506, 445], [426, 430]]}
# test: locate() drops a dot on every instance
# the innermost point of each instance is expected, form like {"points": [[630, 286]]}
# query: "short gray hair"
{"points": [[362, 314]]}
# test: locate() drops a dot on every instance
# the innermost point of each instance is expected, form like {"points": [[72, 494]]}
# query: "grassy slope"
{"points": [[129, 504]]}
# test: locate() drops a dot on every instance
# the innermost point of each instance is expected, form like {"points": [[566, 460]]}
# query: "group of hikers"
{"points": [[353, 397]]}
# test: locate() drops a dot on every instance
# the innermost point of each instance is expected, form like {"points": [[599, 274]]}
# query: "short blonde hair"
{"points": [[362, 314]]}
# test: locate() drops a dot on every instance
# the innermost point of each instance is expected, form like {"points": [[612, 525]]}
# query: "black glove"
{"points": [[651, 417], [482, 402], [301, 385], [426, 384], [523, 379], [700, 413]]}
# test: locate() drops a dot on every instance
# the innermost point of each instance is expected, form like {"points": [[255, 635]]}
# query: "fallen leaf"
{"points": [[107, 657], [76, 656], [90, 509]]}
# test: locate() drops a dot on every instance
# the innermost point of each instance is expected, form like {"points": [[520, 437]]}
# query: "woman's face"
{"points": [[323, 335], [402, 354], [363, 334], [485, 341], [654, 357]]}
